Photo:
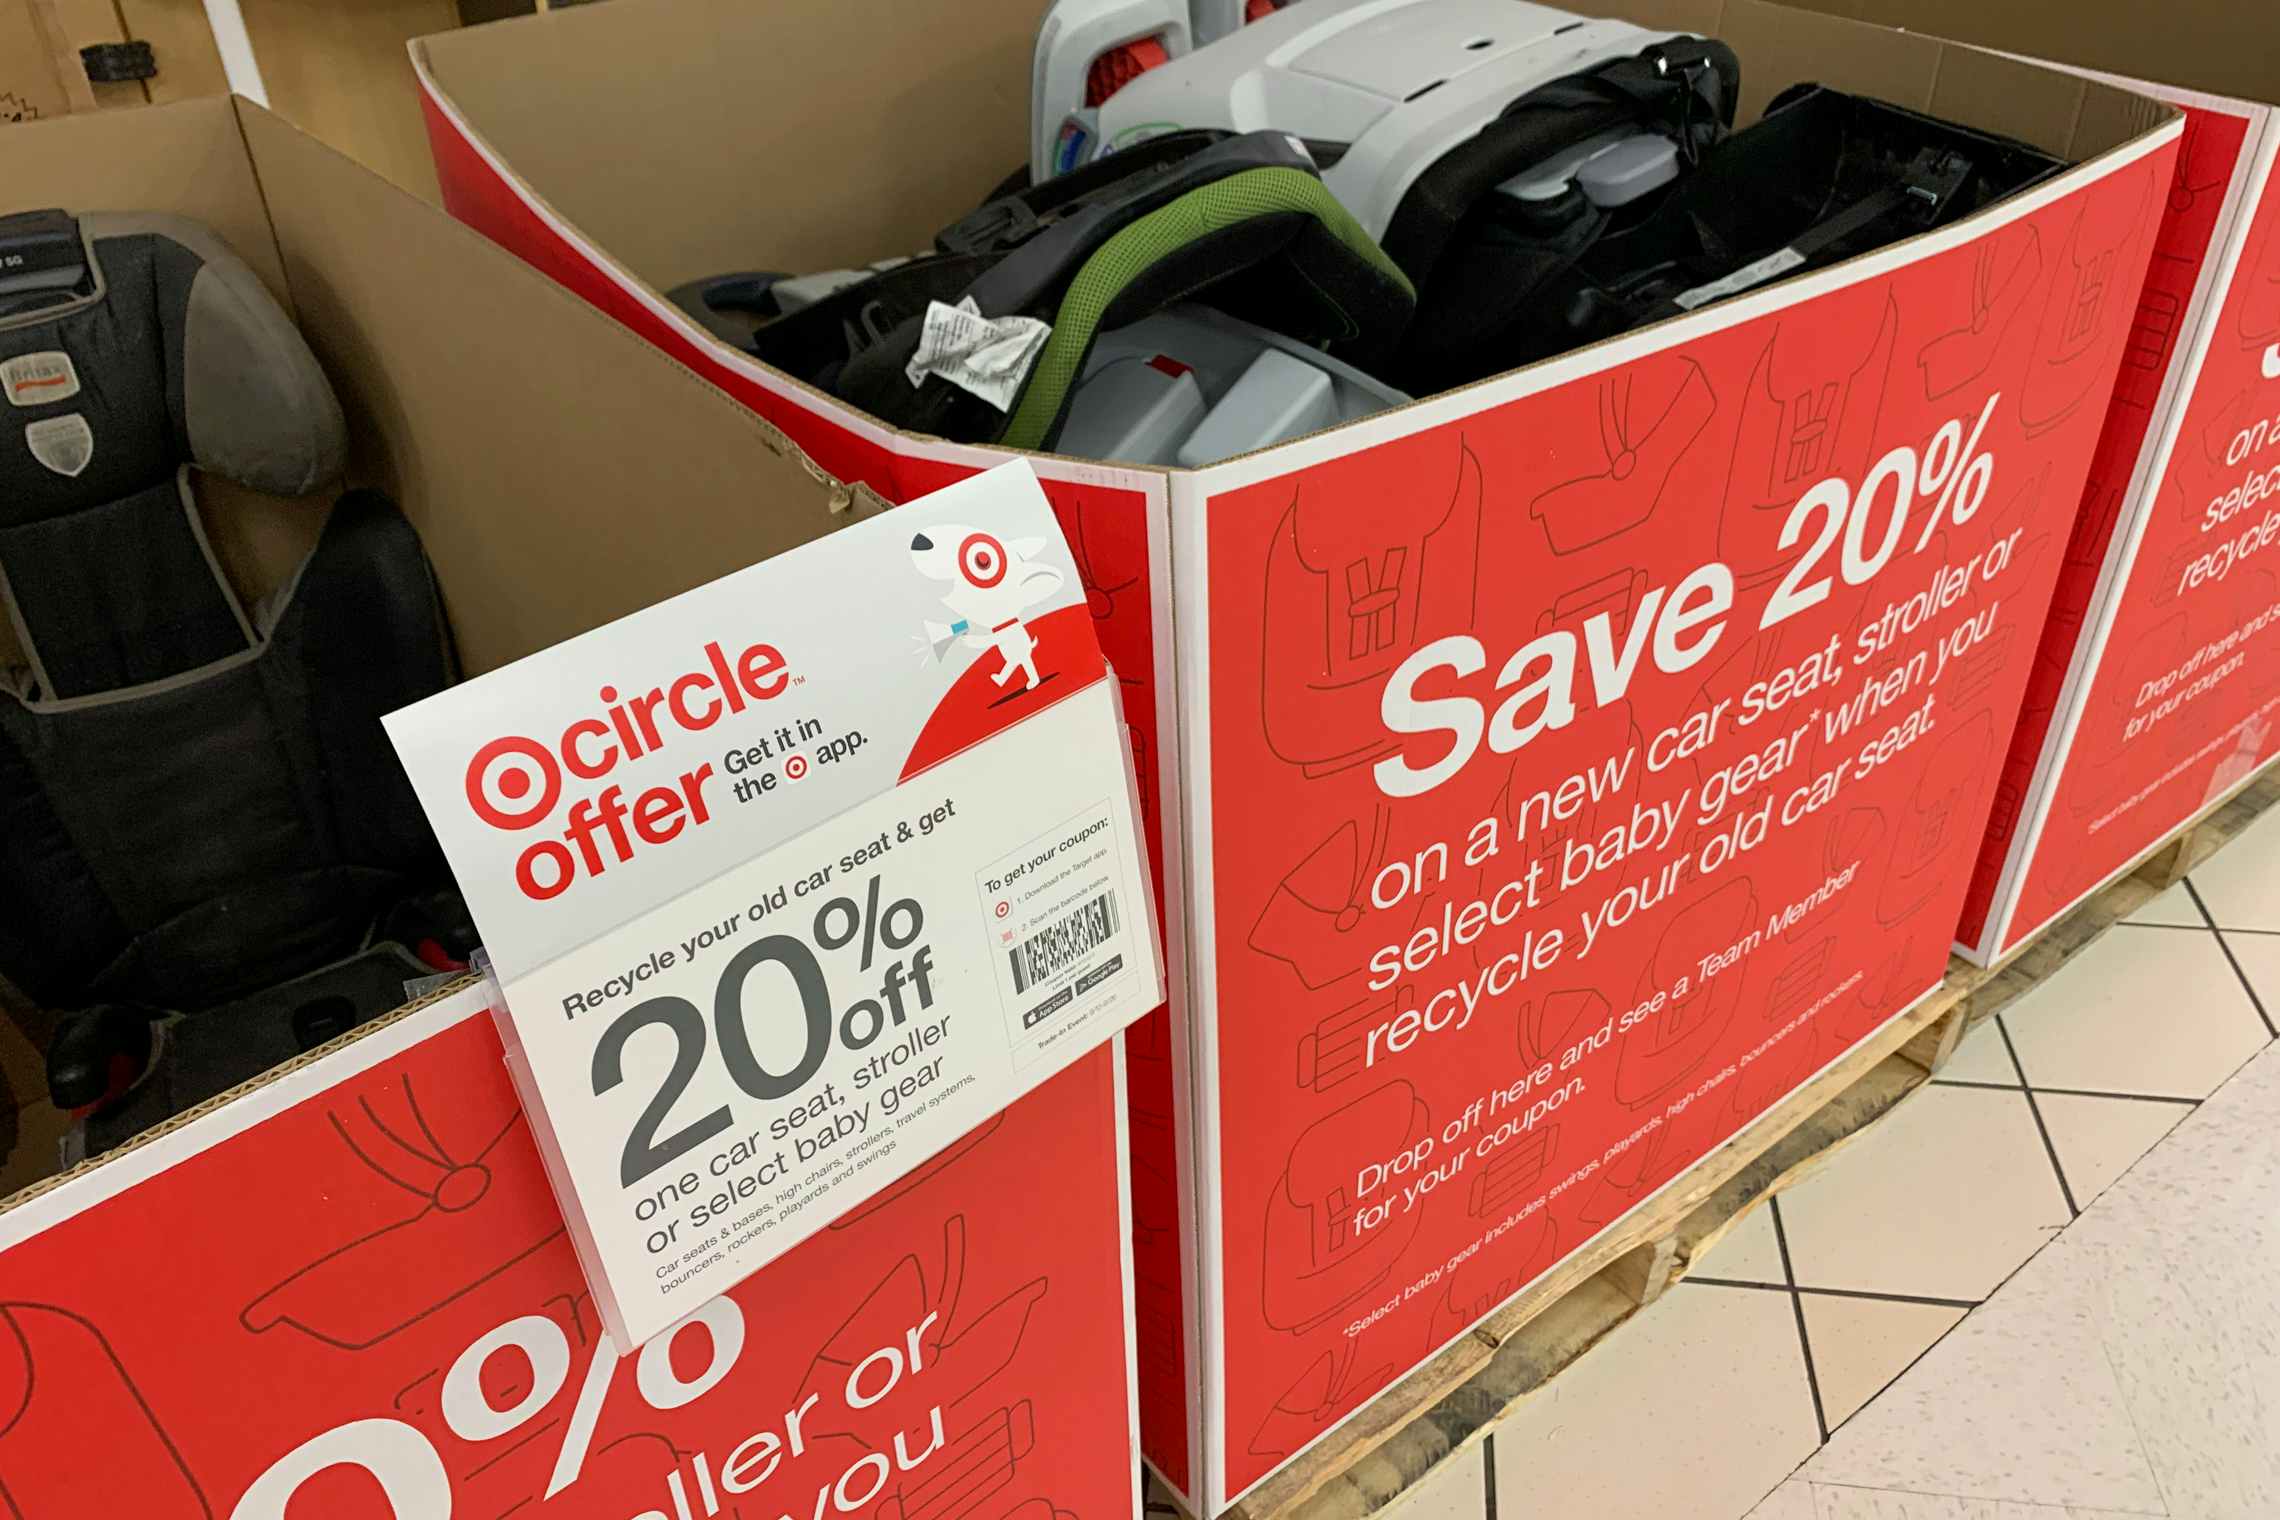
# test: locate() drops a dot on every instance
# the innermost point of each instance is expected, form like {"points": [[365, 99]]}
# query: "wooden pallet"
{"points": [[1454, 1399]]}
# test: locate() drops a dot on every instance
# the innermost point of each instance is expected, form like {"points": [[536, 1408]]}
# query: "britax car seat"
{"points": [[1241, 224], [197, 802]]}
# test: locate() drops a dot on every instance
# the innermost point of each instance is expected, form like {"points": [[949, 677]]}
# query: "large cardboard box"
{"points": [[2156, 681], [345, 1290], [1612, 619]]}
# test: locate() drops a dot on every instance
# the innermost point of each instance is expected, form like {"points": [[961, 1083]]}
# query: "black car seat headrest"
{"points": [[132, 347], [1481, 244], [1242, 223]]}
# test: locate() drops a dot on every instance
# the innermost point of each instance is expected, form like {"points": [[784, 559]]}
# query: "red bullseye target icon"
{"points": [[796, 767], [981, 559], [504, 775]]}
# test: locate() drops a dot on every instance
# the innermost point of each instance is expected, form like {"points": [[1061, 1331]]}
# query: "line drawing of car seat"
{"points": [[1751, 661], [1312, 916], [2152, 335], [1807, 414], [61, 1384], [965, 1356], [1933, 825], [1501, 1268], [1100, 593], [1336, 1049], [1670, 1045], [2240, 413], [2074, 331], [1549, 1025], [1969, 673], [1513, 1172], [1615, 595], [489, 1204], [1314, 1262], [1352, 588], [1999, 291], [2195, 177], [1330, 1385], [1652, 1161], [2099, 771], [495, 1483], [1800, 979], [1642, 456], [978, 1463], [1599, 733], [920, 1175], [2260, 287]]}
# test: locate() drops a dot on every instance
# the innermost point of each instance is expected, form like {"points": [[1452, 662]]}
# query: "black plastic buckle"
{"points": [[1934, 178], [41, 259], [119, 62], [1000, 224]]}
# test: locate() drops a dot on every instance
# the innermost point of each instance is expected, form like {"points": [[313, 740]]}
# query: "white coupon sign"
{"points": [[790, 881]]}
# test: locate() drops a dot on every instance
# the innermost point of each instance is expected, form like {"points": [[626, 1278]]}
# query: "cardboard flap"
{"points": [[838, 133], [561, 471], [181, 160], [2224, 47]]}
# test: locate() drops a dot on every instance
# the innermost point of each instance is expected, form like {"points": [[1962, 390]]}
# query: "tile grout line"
{"points": [[1859, 1293], [2230, 959], [2145, 1452], [1797, 1307], [1929, 1493], [2050, 1147], [2066, 1092], [1488, 1476], [2132, 923]]}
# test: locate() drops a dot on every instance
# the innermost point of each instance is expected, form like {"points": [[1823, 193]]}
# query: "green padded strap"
{"points": [[1156, 236]]}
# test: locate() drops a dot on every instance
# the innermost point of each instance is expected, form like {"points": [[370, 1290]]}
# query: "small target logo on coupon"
{"points": [[795, 767], [1003, 909]]}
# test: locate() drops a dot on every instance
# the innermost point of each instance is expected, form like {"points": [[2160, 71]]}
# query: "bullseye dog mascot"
{"points": [[991, 586]]}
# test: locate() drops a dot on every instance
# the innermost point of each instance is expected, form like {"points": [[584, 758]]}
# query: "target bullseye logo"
{"points": [[795, 767], [504, 773], [981, 559], [1003, 909]]}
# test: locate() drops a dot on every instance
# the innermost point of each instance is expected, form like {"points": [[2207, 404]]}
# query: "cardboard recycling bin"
{"points": [[345, 1289], [2156, 687], [1553, 773]]}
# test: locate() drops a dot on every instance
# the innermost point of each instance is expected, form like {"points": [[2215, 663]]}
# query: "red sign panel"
{"points": [[349, 1296]]}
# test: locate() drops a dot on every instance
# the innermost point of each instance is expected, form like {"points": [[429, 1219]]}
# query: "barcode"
{"points": [[1055, 946]]}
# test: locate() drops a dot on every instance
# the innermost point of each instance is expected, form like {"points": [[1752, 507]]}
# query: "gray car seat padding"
{"points": [[177, 356]]}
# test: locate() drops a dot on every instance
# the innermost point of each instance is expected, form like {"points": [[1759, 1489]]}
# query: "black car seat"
{"points": [[1821, 177], [197, 802], [1242, 224]]}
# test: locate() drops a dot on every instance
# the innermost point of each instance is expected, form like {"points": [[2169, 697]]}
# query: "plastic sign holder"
{"points": [[793, 880]]}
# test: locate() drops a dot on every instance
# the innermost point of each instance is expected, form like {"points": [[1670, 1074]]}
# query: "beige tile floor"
{"points": [[2045, 1289]]}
